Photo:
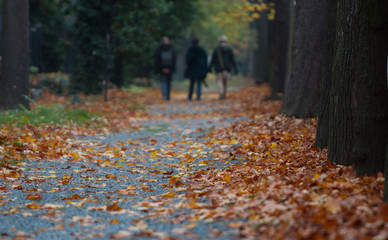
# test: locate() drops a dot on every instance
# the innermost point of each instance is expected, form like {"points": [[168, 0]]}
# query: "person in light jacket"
{"points": [[223, 62]]}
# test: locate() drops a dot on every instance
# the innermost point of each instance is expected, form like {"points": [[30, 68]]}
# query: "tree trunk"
{"points": [[322, 135], [260, 52], [385, 197], [358, 124], [15, 59], [301, 97], [280, 48]]}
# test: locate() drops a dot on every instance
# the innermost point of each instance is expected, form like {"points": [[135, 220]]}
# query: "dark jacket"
{"points": [[158, 58], [196, 60], [228, 59]]}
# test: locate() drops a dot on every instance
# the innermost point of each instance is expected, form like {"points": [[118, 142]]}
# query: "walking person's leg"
{"points": [[168, 86], [199, 84], [163, 79], [225, 78], [220, 84], [191, 88]]}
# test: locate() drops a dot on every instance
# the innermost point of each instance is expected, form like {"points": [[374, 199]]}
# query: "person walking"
{"points": [[223, 61], [196, 63], [165, 61]]}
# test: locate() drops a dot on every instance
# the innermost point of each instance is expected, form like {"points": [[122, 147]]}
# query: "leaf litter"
{"points": [[236, 168]]}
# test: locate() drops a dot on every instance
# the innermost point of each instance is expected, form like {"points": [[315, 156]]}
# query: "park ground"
{"points": [[138, 167]]}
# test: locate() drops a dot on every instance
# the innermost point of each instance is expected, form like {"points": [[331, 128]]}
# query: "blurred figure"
{"points": [[196, 62], [223, 61], [165, 59]]}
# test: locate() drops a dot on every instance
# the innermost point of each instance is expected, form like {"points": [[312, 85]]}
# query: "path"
{"points": [[109, 187], [212, 169]]}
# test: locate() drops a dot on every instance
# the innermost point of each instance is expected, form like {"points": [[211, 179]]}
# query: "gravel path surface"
{"points": [[109, 186]]}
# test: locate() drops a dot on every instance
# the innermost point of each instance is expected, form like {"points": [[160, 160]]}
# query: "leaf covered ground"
{"points": [[140, 168]]}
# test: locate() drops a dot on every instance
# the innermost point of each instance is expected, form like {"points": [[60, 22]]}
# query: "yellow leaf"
{"points": [[114, 221], [203, 163], [176, 181], [227, 178], [191, 225], [60, 226], [154, 154], [273, 145], [255, 15], [131, 187], [169, 195], [316, 176]]}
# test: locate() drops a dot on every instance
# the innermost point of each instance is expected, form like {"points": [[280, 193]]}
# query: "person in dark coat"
{"points": [[165, 63], [223, 62], [196, 61]]}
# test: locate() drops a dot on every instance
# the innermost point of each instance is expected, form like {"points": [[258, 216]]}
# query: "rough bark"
{"points": [[280, 48], [301, 97], [15, 59], [322, 135], [260, 53], [358, 124], [385, 196]]}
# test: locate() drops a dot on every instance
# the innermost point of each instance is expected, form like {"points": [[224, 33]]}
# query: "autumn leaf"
{"points": [[110, 176], [169, 195], [34, 197], [113, 207], [120, 235], [73, 197], [175, 181], [114, 221]]}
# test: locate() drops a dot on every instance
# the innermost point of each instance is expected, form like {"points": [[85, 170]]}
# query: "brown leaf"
{"points": [[113, 207]]}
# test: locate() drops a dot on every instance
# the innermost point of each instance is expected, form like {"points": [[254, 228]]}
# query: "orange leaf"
{"points": [[34, 197], [227, 178], [110, 176], [113, 207], [75, 196], [169, 195], [114, 221]]}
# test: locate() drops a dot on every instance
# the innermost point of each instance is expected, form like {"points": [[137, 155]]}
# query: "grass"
{"points": [[156, 128], [135, 89], [46, 114], [236, 82]]}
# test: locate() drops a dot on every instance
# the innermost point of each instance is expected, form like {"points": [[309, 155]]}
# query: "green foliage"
{"points": [[229, 17], [50, 15], [135, 27], [90, 29], [46, 114]]}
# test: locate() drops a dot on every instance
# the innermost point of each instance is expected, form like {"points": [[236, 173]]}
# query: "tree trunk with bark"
{"points": [[322, 135], [15, 59], [280, 48], [301, 97], [359, 96], [385, 196]]}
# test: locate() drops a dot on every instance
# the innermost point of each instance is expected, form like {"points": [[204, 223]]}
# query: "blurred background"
{"points": [[76, 44]]}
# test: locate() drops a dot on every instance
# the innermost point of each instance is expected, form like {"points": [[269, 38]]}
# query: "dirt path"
{"points": [[109, 187]]}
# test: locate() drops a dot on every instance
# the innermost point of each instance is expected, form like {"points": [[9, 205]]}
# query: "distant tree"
{"points": [[50, 15], [280, 46], [93, 22], [301, 98], [262, 52], [135, 27], [15, 55]]}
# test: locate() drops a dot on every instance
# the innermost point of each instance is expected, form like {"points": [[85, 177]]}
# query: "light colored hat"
{"points": [[222, 38]]}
